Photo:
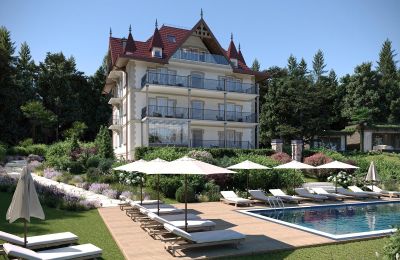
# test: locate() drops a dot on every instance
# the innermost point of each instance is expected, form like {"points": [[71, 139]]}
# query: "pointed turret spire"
{"points": [[240, 56], [130, 46], [232, 52], [110, 32], [156, 40], [156, 24], [201, 13]]}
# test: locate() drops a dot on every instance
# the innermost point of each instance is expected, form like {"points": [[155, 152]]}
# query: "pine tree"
{"points": [[319, 65], [256, 65], [292, 65], [302, 68], [386, 63]]}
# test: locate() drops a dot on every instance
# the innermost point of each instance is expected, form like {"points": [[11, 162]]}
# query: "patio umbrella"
{"points": [[295, 165], [372, 175], [153, 167], [25, 202], [185, 166], [247, 165], [135, 166], [336, 165]]}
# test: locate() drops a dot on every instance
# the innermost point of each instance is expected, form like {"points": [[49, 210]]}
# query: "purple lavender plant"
{"points": [[112, 194], [51, 173], [98, 187]]}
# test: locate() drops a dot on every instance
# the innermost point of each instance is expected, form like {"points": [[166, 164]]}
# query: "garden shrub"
{"points": [[168, 184], [75, 167], [203, 156], [93, 174], [342, 178], [3, 152], [391, 250], [281, 157], [92, 161], [57, 155], [105, 165], [104, 143], [316, 160], [180, 194], [211, 191]]}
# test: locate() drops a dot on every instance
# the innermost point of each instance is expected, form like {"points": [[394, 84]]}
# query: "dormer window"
{"points": [[171, 38], [156, 52], [234, 62]]}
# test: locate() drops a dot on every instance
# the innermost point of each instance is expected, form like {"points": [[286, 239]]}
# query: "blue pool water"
{"points": [[338, 221]]}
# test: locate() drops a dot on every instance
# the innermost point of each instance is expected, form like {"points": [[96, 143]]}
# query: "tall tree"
{"points": [[318, 65], [256, 65], [292, 65]]}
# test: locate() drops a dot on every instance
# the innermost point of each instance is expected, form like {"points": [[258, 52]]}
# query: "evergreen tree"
{"points": [[103, 143], [318, 65], [292, 65], [256, 65], [302, 67]]}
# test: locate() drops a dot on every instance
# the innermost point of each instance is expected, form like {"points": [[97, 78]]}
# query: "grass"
{"points": [[87, 225], [352, 250]]}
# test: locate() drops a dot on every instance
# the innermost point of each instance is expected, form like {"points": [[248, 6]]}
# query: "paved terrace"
{"points": [[261, 235]]}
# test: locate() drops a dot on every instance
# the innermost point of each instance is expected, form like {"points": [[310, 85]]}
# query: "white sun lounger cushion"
{"points": [[377, 189], [278, 192], [229, 194], [208, 236], [162, 210], [40, 240], [63, 253], [181, 223], [173, 217], [147, 202]]}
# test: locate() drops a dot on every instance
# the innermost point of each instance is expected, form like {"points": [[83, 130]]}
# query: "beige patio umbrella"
{"points": [[153, 167], [336, 165], [187, 165], [135, 166], [248, 165], [25, 202], [295, 165], [372, 175]]}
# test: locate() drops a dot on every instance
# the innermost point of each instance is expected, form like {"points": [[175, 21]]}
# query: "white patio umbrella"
{"points": [[153, 167], [185, 166], [248, 165], [135, 166], [336, 165], [372, 174], [25, 202], [295, 165]]}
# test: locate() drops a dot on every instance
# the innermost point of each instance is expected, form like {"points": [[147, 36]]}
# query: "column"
{"points": [[277, 145], [297, 150]]}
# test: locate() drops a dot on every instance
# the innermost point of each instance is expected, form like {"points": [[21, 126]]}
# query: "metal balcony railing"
{"points": [[200, 57], [207, 144], [199, 114], [197, 82]]}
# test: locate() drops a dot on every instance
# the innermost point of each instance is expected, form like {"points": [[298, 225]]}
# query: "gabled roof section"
{"points": [[240, 56], [232, 52], [156, 40]]}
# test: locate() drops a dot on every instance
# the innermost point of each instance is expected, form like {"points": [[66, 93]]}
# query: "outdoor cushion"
{"points": [[303, 192], [179, 217], [357, 189], [258, 194], [229, 194], [63, 253], [35, 241], [178, 232], [377, 189], [162, 210]]}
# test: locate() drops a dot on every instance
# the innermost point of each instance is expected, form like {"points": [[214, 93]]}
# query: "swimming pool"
{"points": [[338, 221]]}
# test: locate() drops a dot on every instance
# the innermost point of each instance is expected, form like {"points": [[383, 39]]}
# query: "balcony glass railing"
{"points": [[115, 120], [208, 144], [197, 82], [199, 114], [200, 57]]}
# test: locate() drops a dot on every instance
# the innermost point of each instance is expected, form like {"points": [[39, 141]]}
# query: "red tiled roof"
{"points": [[141, 51], [240, 57], [232, 52]]}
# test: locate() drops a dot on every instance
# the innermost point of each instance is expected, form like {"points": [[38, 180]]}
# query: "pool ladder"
{"points": [[275, 202]]}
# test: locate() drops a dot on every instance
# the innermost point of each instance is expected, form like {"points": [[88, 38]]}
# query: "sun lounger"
{"points": [[126, 203], [384, 192], [369, 193], [355, 195], [260, 196], [184, 240], [43, 241], [153, 227], [280, 194], [229, 197], [306, 194], [85, 251], [334, 196]]}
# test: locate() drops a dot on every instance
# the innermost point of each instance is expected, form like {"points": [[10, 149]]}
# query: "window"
{"points": [[157, 53], [171, 38], [197, 109]]}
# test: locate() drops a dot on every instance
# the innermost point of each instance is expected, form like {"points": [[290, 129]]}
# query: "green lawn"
{"points": [[88, 225], [353, 250]]}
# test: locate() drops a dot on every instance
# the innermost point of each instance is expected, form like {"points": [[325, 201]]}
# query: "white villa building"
{"points": [[181, 88]]}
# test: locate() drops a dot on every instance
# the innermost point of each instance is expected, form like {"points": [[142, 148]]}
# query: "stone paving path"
{"points": [[14, 168]]}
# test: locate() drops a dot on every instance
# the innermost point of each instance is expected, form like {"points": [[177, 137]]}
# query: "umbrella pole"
{"points": [[158, 194], [25, 233], [247, 184], [186, 202], [141, 190]]}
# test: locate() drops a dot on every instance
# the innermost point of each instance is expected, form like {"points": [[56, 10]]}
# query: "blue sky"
{"points": [[348, 31]]}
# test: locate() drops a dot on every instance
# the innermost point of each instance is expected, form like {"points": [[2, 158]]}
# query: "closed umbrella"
{"points": [[372, 175], [185, 166], [248, 165], [25, 202], [135, 166], [295, 165], [336, 165]]}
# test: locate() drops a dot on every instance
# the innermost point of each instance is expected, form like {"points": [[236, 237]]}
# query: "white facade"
{"points": [[190, 103]]}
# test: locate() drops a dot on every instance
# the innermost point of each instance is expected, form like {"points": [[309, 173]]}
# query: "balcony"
{"points": [[208, 144], [200, 57], [115, 123], [197, 83], [115, 101], [198, 114]]}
